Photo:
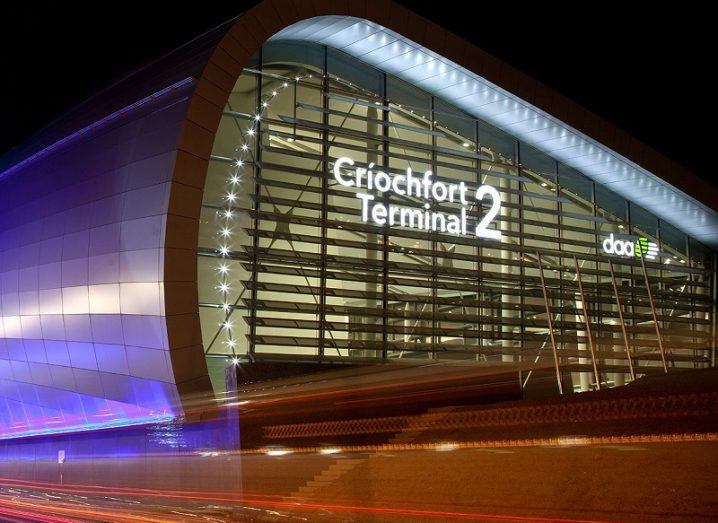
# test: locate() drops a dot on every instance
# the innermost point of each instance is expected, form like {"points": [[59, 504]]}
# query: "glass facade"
{"points": [[294, 264]]}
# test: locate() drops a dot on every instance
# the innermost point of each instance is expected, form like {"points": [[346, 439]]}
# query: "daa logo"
{"points": [[630, 247]]}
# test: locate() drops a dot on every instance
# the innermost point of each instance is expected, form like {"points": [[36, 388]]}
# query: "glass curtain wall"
{"points": [[289, 268]]}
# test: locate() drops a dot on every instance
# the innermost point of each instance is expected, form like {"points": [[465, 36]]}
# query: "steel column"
{"points": [[623, 322], [550, 324], [655, 316]]}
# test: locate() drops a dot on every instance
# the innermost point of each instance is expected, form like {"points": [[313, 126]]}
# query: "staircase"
{"points": [[336, 470]]}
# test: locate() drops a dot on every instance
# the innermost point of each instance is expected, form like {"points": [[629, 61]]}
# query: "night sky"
{"points": [[646, 72]]}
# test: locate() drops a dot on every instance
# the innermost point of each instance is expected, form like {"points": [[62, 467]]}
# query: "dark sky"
{"points": [[647, 72]]}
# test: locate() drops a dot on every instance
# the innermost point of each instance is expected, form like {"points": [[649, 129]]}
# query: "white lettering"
{"points": [[337, 170], [365, 198], [439, 191], [382, 181], [396, 182], [427, 184], [409, 215], [426, 190], [378, 214]]}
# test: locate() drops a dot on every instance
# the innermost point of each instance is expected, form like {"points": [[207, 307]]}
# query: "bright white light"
{"points": [[250, 132], [284, 84], [225, 306], [234, 179], [224, 287], [235, 361], [264, 104], [227, 214], [257, 117], [567, 441], [231, 197], [223, 269], [226, 232], [290, 139], [466, 144], [224, 250], [274, 93], [330, 450], [544, 184], [239, 163], [227, 324], [278, 452]]}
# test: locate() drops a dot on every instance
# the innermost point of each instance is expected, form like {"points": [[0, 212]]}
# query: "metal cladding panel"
{"points": [[83, 336]]}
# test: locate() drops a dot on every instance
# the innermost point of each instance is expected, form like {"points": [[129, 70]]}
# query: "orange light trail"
{"points": [[37, 513], [375, 510]]}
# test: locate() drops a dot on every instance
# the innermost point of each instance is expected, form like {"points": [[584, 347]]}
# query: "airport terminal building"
{"points": [[337, 183]]}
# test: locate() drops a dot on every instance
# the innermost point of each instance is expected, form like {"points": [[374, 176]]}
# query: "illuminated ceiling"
{"points": [[395, 54]]}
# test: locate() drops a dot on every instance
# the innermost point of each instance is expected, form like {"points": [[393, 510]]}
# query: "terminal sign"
{"points": [[424, 188]]}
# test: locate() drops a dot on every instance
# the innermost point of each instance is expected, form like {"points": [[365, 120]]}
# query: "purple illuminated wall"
{"points": [[83, 329]]}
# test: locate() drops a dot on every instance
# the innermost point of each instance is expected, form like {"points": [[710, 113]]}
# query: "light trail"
{"points": [[24, 515], [37, 512], [286, 504]]}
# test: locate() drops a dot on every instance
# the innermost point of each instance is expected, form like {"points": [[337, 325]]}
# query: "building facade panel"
{"points": [[84, 341]]}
